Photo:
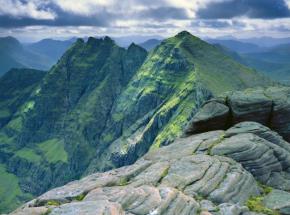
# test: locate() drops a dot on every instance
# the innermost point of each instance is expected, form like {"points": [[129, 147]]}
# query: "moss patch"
{"points": [[255, 204]]}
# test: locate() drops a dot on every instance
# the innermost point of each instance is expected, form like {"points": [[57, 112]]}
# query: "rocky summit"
{"points": [[102, 107], [243, 170]]}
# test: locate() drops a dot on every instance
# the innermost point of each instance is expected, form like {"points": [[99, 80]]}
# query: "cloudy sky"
{"points": [[36, 19]]}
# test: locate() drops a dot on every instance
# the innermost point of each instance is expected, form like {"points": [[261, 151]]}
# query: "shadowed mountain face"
{"points": [[102, 107], [41, 55]]}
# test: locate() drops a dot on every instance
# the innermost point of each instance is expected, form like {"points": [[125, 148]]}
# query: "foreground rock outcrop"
{"points": [[217, 172], [270, 107]]}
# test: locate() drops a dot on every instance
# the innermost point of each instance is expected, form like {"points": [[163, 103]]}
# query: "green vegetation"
{"points": [[123, 181], [10, 192], [108, 137], [53, 150], [4, 113], [80, 197], [255, 204], [28, 106], [53, 203], [15, 124], [28, 154]]}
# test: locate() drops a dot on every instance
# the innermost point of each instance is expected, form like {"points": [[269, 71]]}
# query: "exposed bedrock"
{"points": [[270, 107]]}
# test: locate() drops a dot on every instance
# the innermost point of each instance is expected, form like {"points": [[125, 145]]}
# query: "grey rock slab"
{"points": [[212, 116], [251, 105], [278, 200], [89, 208], [268, 162]]}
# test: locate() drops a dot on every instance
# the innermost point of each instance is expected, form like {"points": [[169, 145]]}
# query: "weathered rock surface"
{"points": [[270, 107], [278, 200], [213, 116], [269, 163], [177, 179]]}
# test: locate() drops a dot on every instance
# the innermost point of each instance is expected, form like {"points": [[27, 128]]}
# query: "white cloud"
{"points": [[20, 9]]}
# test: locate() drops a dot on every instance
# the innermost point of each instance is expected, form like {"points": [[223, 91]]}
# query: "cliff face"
{"points": [[244, 169], [102, 107]]}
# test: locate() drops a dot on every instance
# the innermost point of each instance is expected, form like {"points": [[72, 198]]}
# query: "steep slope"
{"points": [[57, 126], [15, 87], [102, 106]]}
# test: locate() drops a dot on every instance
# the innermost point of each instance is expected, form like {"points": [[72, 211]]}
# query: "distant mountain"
{"points": [[102, 106], [15, 55], [125, 41], [237, 46], [53, 49], [267, 41], [40, 55], [273, 62], [150, 44]]}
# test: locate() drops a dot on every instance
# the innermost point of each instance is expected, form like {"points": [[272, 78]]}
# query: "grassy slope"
{"points": [[10, 193]]}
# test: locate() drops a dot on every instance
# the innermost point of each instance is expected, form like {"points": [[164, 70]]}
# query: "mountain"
{"points": [[125, 41], [237, 166], [237, 46], [150, 44], [40, 55], [15, 88], [267, 41], [273, 62], [14, 55], [53, 49], [102, 106]]}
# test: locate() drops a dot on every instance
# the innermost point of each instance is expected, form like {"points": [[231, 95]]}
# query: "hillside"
{"points": [[40, 55], [102, 107], [15, 88], [150, 44], [52, 49], [271, 61], [230, 169]]}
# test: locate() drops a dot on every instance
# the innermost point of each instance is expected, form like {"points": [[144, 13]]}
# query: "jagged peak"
{"points": [[80, 41], [184, 34], [134, 46]]}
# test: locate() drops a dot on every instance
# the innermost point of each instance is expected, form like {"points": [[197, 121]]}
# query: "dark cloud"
{"points": [[163, 13], [102, 19], [63, 18], [266, 9]]}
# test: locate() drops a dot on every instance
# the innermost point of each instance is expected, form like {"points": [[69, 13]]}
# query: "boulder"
{"points": [[269, 107], [213, 115], [250, 106]]}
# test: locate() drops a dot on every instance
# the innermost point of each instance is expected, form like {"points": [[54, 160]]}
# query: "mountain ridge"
{"points": [[102, 106]]}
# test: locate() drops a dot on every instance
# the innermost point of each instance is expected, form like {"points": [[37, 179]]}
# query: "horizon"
{"points": [[134, 38], [33, 20]]}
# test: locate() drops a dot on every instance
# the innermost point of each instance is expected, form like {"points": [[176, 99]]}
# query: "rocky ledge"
{"points": [[240, 168], [217, 172]]}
